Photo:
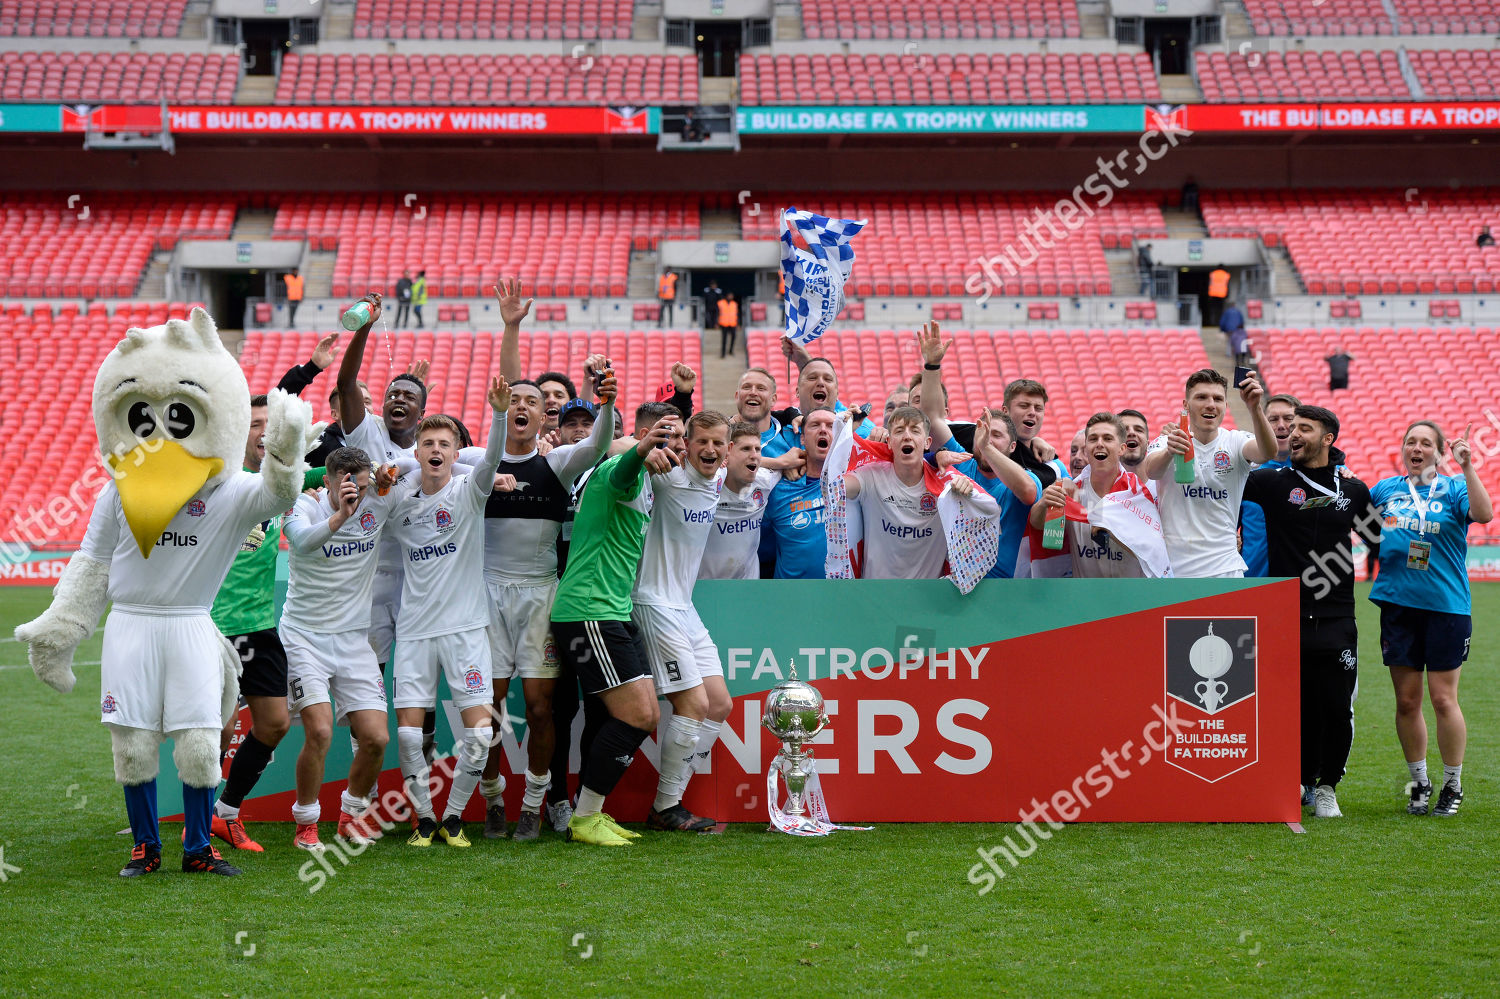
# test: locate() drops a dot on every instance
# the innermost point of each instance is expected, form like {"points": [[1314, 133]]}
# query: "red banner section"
{"points": [[1404, 116], [1092, 700]]}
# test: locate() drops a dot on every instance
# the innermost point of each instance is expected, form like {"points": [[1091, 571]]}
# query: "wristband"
{"points": [[932, 367]]}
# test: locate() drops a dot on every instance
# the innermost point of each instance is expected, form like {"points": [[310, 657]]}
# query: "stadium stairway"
{"points": [[1236, 23], [1183, 224], [153, 286], [338, 22], [1179, 88], [1124, 276], [256, 90], [1093, 19], [1216, 345], [1284, 272], [319, 274], [720, 376]]}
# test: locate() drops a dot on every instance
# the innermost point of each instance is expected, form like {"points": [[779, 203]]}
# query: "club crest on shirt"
{"points": [[197, 508], [1222, 462], [108, 706], [1297, 496], [367, 521], [757, 497], [443, 520], [473, 679], [927, 504]]}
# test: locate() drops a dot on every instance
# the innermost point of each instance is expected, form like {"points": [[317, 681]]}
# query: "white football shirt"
{"points": [[903, 533], [682, 515], [733, 548], [1097, 554], [441, 539], [373, 439], [192, 556], [1200, 520], [331, 573]]}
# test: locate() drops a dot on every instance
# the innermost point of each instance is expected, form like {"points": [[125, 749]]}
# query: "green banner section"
{"points": [[944, 118], [30, 118]]}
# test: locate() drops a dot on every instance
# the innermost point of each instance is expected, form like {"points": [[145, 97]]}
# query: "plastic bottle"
{"points": [[1187, 469], [357, 315]]}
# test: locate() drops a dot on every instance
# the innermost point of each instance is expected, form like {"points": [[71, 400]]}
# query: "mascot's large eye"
{"points": [[142, 420], [180, 420]]}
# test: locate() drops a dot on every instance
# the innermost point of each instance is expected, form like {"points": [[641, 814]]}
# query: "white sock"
{"points": [[226, 812], [589, 802], [305, 815], [353, 743], [677, 751], [468, 768], [414, 769], [353, 807], [1418, 771], [708, 734], [493, 789], [536, 790], [1453, 776]]}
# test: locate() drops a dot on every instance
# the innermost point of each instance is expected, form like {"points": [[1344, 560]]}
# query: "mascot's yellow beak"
{"points": [[154, 484]]}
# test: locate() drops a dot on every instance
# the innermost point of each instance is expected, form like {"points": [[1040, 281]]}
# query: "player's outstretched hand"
{"points": [[418, 369], [657, 437], [1177, 439], [324, 353], [1057, 493], [879, 435], [947, 459], [345, 501], [931, 342], [499, 394], [962, 486], [606, 387], [385, 477], [1042, 450], [508, 296], [683, 377]]}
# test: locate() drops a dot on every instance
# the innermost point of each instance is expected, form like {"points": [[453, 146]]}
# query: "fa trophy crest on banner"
{"points": [[794, 715]]}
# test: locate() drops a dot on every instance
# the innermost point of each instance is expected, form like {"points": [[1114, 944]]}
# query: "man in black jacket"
{"points": [[1311, 508], [403, 298]]}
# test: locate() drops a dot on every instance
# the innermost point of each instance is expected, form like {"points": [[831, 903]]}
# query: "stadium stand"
{"points": [[1291, 76], [52, 251], [949, 78], [1383, 397], [70, 346], [558, 245], [1370, 241], [931, 244], [91, 18], [839, 19], [1329, 17], [1084, 370], [515, 19], [472, 79], [1447, 17], [118, 76], [1457, 74]]}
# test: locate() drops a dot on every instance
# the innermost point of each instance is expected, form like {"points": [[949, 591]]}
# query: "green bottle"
{"points": [[1187, 469]]}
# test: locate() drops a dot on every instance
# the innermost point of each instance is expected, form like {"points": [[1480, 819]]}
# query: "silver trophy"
{"points": [[794, 714]]}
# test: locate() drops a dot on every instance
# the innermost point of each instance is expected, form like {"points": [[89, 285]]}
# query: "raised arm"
{"points": [[1481, 508], [1019, 481], [305, 531], [930, 340], [512, 311], [483, 476], [351, 401], [1264, 448], [301, 376], [571, 461]]}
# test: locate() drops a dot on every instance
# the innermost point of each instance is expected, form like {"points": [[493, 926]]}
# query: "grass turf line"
{"points": [[1377, 903]]}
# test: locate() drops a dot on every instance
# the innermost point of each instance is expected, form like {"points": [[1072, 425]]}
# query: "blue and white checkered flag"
{"points": [[815, 276]]}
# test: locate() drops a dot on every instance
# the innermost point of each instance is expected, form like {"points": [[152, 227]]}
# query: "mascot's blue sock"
{"points": [[140, 806], [198, 813]]}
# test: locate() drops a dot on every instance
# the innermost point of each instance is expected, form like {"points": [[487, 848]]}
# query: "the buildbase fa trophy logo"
{"points": [[1167, 118], [1211, 672]]}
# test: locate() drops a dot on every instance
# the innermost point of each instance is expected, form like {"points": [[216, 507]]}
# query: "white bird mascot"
{"points": [[172, 411]]}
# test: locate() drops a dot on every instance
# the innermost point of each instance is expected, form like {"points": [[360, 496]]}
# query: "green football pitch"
{"points": [[1378, 903]]}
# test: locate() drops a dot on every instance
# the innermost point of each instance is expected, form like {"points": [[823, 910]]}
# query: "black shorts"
{"points": [[604, 654], [1410, 636], [265, 663], [1330, 643]]}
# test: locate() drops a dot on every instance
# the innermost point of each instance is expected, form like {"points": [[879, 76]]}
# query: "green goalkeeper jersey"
{"points": [[608, 536]]}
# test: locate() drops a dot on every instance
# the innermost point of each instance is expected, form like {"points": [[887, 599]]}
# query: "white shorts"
{"points": [[162, 669], [678, 647], [463, 658], [341, 664], [385, 604], [520, 635]]}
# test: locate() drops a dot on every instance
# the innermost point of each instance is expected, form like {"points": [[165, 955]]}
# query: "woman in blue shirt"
{"points": [[1423, 594]]}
